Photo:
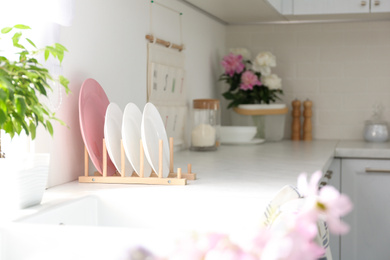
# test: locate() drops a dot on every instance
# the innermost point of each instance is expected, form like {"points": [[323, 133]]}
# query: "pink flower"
{"points": [[334, 205], [291, 236], [328, 203], [226, 249], [248, 80], [232, 64], [308, 189]]}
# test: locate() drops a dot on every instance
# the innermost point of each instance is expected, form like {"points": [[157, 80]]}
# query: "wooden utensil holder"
{"points": [[173, 178]]}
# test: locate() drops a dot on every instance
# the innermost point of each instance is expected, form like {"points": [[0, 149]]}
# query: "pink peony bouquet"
{"points": [[250, 82]]}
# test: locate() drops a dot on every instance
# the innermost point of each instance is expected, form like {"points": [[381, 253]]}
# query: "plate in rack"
{"points": [[153, 130], [113, 137], [93, 103], [131, 136]]}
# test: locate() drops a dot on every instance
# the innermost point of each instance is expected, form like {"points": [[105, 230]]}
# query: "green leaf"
{"points": [[49, 127], [60, 47], [53, 51], [37, 110], [31, 42], [22, 26], [228, 95], [41, 88], [9, 128], [20, 106], [64, 82], [33, 130], [23, 125], [6, 30], [15, 40], [17, 124], [3, 117], [60, 121], [47, 53], [60, 56]]}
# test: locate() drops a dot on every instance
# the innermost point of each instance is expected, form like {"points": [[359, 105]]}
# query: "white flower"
{"points": [[245, 53], [272, 81], [265, 71], [263, 63]]}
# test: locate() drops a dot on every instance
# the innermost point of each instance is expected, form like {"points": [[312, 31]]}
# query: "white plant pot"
{"points": [[269, 127], [23, 180]]}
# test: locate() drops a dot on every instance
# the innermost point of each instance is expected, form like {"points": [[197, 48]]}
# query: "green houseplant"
{"points": [[23, 80]]}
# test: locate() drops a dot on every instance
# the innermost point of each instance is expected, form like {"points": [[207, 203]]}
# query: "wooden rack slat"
{"points": [[165, 43], [132, 180]]}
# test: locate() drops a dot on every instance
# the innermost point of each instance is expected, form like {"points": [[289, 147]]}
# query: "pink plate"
{"points": [[93, 103]]}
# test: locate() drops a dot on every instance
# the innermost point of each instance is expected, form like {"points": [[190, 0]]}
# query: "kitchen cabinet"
{"points": [[309, 7], [302, 7], [265, 11], [332, 177], [367, 184], [380, 6]]}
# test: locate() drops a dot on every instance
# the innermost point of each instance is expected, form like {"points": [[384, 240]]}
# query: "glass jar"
{"points": [[206, 122], [376, 131]]}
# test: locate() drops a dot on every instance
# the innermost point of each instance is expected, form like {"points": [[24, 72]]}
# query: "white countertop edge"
{"points": [[360, 149]]}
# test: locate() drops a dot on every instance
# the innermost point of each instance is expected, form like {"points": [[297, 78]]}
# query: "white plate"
{"points": [[253, 141], [153, 130], [113, 136], [131, 136]]}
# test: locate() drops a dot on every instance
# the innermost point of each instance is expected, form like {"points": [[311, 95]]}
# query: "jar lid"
{"points": [[206, 104]]}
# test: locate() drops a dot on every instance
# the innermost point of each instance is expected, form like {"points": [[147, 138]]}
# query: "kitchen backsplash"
{"points": [[344, 68]]}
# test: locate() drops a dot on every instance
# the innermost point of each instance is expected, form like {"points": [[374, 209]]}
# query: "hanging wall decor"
{"points": [[166, 79]]}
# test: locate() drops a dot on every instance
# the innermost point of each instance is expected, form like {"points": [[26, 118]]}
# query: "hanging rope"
{"points": [[167, 44]]}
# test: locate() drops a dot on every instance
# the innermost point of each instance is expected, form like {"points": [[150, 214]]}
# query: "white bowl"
{"points": [[237, 133]]}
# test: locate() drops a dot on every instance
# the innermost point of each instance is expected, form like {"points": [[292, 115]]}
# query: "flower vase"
{"points": [[268, 118], [259, 122]]}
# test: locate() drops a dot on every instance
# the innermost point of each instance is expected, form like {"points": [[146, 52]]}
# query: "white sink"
{"points": [[83, 211]]}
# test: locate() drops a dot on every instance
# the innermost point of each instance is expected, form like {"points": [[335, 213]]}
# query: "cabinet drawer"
{"points": [[367, 184]]}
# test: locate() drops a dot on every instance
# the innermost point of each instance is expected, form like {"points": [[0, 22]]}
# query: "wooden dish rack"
{"points": [[173, 178]]}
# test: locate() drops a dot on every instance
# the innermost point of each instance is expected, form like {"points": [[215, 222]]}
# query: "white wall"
{"points": [[107, 42], [342, 67]]}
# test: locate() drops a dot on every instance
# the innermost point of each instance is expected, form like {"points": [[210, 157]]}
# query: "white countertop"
{"points": [[234, 185], [251, 170], [253, 173], [234, 182], [238, 170], [363, 150]]}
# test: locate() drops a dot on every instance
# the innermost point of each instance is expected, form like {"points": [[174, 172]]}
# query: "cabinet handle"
{"points": [[328, 174], [368, 170], [377, 2], [363, 3]]}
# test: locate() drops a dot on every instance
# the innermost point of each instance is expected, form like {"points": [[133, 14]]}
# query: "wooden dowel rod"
{"points": [[86, 161], [165, 43], [141, 159], [123, 160], [160, 158], [179, 173], [104, 159], [189, 168], [170, 154]]}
